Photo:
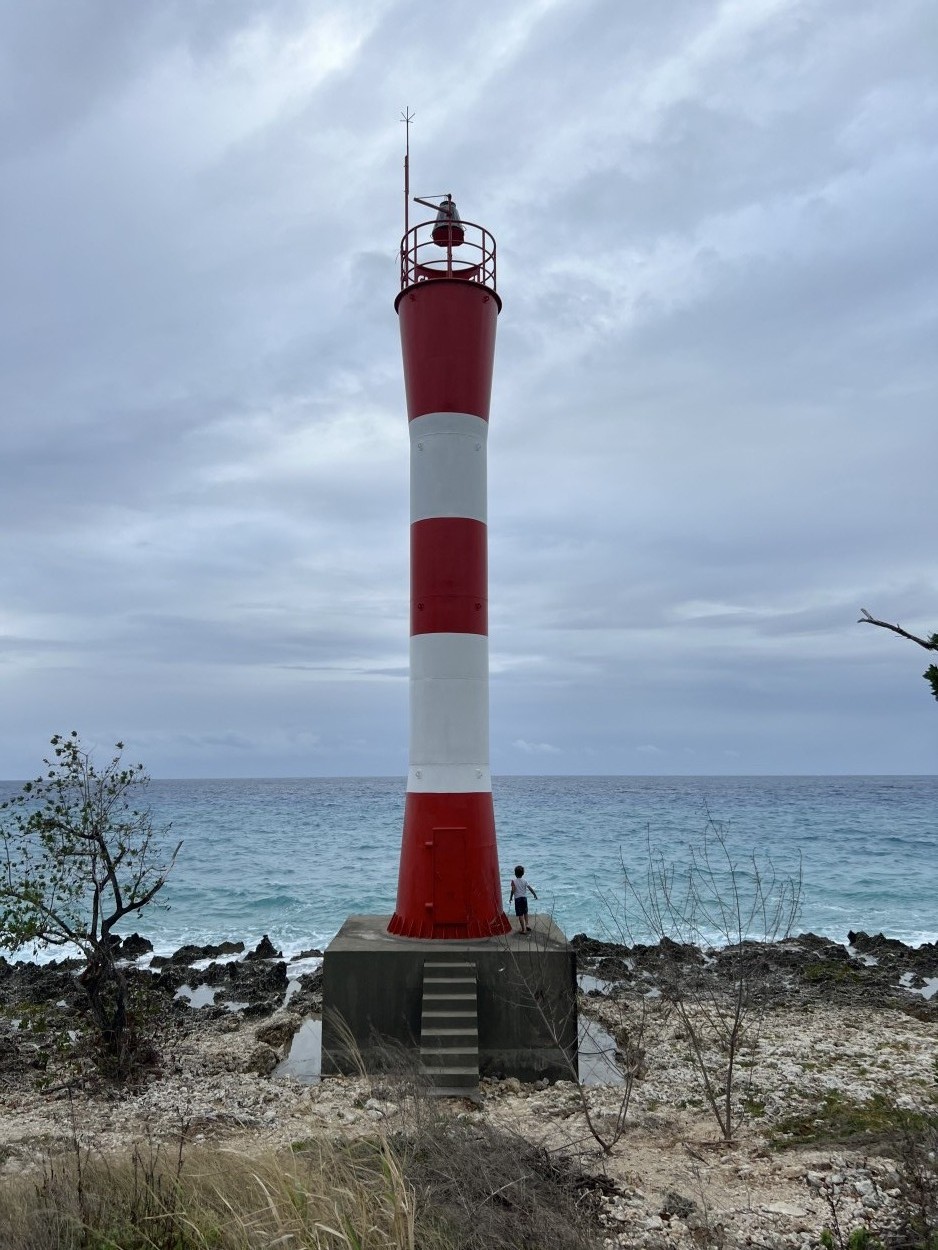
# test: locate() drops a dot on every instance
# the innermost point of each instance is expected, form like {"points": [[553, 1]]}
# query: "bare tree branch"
{"points": [[928, 643], [711, 899]]}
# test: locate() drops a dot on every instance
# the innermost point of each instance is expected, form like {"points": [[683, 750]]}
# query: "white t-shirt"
{"points": [[521, 887]]}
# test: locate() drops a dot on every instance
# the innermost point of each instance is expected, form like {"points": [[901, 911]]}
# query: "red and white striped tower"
{"points": [[449, 885]]}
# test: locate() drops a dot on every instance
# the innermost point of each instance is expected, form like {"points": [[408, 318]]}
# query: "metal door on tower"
{"points": [[450, 886]]}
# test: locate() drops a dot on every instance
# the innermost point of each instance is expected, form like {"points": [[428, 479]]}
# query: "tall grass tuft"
{"points": [[439, 1183], [328, 1196]]}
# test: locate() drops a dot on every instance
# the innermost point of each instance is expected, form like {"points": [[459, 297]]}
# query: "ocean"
{"points": [[293, 858]]}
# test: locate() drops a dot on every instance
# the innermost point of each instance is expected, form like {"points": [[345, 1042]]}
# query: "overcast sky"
{"points": [[713, 434]]}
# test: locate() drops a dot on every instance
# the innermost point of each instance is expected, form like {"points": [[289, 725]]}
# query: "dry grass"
{"points": [[329, 1196], [482, 1189], [439, 1184]]}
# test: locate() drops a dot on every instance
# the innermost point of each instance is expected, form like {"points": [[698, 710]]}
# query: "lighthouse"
{"points": [[445, 977], [448, 307]]}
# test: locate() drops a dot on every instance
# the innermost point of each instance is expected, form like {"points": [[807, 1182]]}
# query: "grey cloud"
{"points": [[712, 421]]}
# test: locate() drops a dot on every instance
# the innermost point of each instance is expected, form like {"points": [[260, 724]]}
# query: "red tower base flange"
{"points": [[448, 885]]}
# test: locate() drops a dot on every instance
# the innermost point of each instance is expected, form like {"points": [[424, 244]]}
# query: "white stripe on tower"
{"points": [[447, 466], [448, 670], [449, 714]]}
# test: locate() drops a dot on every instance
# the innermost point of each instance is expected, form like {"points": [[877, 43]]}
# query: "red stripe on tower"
{"points": [[449, 884], [448, 576]]}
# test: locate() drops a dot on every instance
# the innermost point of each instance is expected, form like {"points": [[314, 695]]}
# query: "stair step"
{"points": [[444, 1065], [457, 1074], [449, 1042], [463, 1004]]}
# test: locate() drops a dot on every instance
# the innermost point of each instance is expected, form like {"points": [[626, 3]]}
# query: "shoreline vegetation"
{"points": [[834, 1095]]}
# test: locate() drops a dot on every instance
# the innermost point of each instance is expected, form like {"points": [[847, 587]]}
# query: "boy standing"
{"points": [[519, 892]]}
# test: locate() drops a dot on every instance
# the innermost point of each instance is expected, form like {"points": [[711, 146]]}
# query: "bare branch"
{"points": [[713, 906], [928, 643]]}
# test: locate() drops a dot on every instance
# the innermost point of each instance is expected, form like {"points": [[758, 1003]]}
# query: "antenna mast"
{"points": [[407, 117]]}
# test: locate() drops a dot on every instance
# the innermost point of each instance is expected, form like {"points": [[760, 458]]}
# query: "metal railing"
{"points": [[471, 259]]}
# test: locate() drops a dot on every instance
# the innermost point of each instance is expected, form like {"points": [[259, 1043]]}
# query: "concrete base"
{"points": [[373, 986]]}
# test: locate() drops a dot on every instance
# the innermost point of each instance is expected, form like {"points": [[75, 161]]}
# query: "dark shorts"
{"points": [[521, 906]]}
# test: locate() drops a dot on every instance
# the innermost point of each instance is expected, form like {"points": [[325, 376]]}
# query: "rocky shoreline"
{"points": [[840, 1027]]}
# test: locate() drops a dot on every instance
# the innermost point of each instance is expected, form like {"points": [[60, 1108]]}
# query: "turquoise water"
{"points": [[292, 858]]}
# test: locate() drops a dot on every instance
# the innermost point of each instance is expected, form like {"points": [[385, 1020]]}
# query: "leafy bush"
{"points": [[79, 856]]}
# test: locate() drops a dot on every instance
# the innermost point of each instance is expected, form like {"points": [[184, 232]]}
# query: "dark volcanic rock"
{"points": [[666, 954], [269, 979], [592, 948], [190, 954], [40, 983], [170, 976], [811, 942], [264, 950], [802, 969], [221, 974], [683, 952], [262, 985], [923, 959], [134, 946], [259, 980], [611, 969], [307, 998], [793, 953], [895, 959], [878, 944]]}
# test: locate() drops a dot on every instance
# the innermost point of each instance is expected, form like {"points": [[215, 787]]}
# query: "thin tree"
{"points": [[604, 1105], [715, 910], [81, 853], [930, 644]]}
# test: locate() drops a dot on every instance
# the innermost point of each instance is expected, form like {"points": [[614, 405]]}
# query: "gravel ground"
{"points": [[670, 1179]]}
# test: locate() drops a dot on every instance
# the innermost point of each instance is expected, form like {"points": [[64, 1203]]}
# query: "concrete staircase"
{"points": [[449, 1030]]}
